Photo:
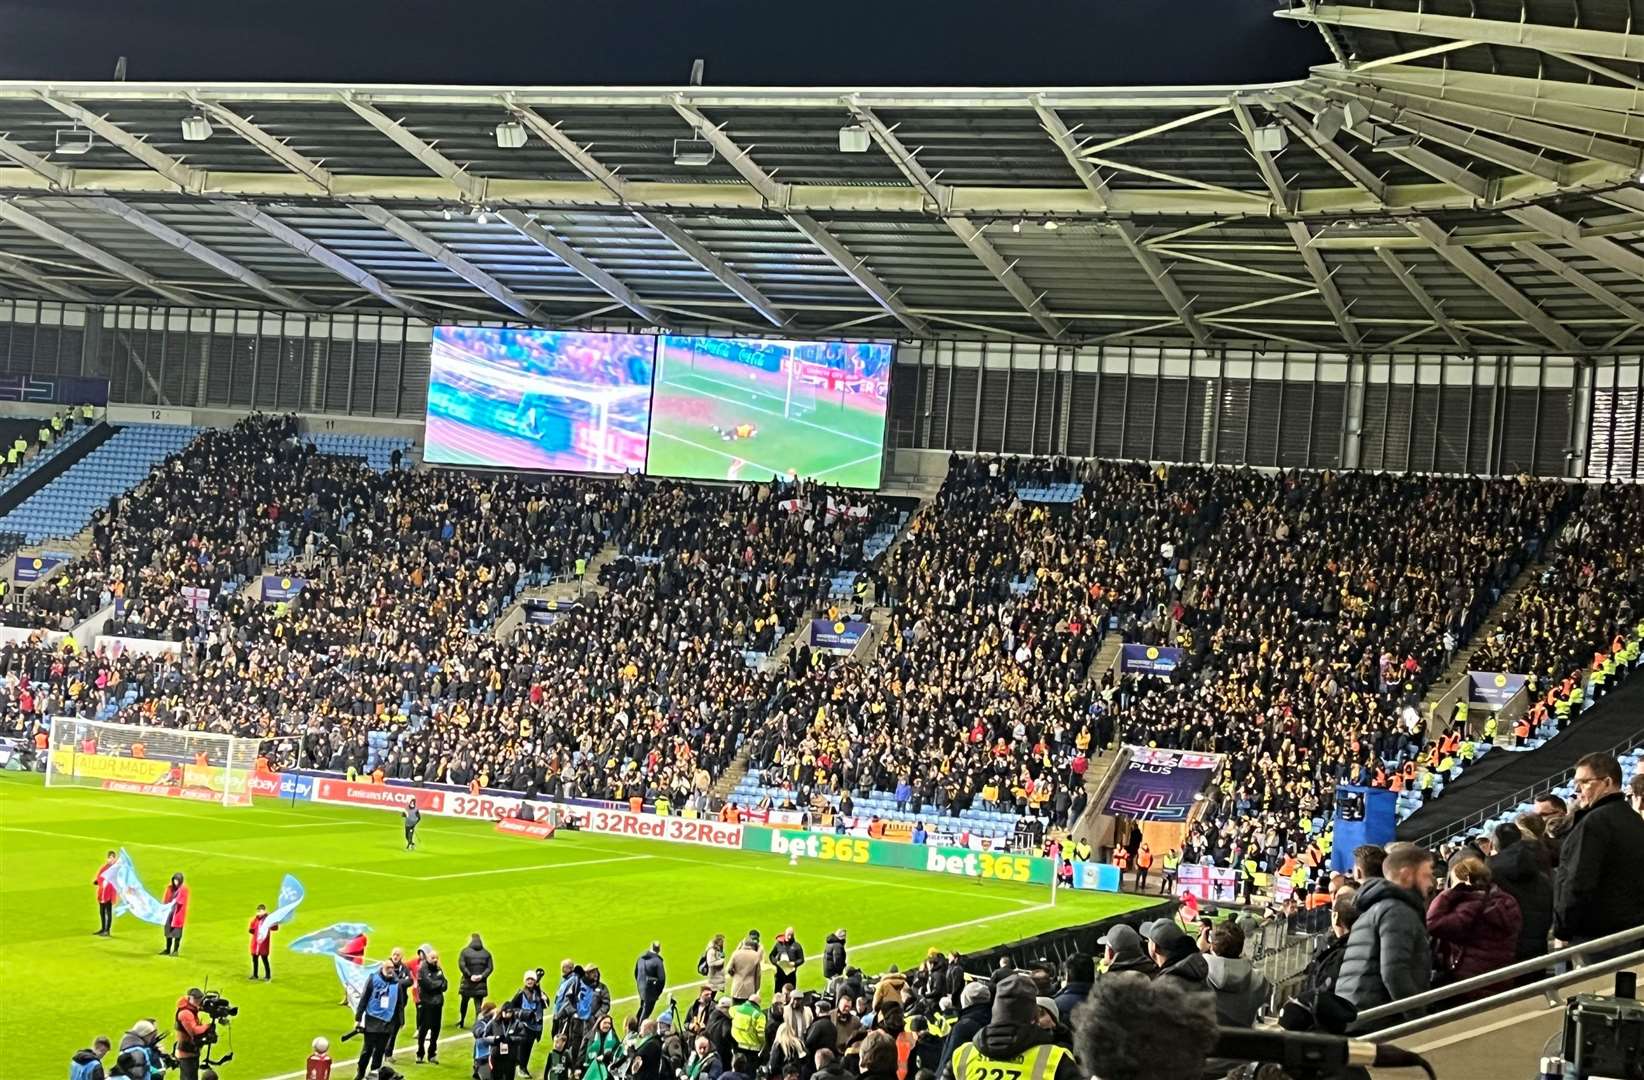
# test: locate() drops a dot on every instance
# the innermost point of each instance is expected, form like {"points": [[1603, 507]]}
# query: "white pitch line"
{"points": [[693, 983], [756, 408], [708, 449], [207, 854], [537, 866], [847, 464]]}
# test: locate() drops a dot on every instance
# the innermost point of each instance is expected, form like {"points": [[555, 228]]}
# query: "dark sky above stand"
{"points": [[652, 42]]}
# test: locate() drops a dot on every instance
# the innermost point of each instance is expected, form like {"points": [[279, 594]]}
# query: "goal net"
{"points": [[799, 396], [199, 765]]}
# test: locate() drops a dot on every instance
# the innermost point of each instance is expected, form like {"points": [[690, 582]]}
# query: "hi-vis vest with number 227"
{"points": [[1035, 1063]]}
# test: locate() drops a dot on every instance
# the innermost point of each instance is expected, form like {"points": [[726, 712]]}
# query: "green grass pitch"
{"points": [[835, 443], [599, 899]]}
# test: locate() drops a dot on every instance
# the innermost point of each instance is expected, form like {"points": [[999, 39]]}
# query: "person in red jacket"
{"points": [[105, 896], [260, 940], [1474, 926], [190, 1028], [353, 950], [177, 895]]}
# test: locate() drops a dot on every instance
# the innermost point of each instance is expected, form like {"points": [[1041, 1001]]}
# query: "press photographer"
{"points": [[198, 1014]]}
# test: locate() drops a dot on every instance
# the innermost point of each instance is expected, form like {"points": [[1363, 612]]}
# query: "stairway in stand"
{"points": [[1458, 667], [732, 776]]}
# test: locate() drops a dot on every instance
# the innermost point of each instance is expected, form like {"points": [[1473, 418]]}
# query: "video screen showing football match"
{"points": [[750, 409], [539, 399]]}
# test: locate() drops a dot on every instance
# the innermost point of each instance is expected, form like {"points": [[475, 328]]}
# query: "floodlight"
{"points": [[1328, 121], [510, 135], [853, 139], [1272, 138], [693, 153], [196, 128], [75, 140]]}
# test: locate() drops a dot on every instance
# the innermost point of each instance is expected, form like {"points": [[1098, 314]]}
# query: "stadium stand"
{"points": [[65, 505]]}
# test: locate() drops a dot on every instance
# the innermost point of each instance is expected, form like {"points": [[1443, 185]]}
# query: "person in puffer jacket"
{"points": [[1518, 868], [1387, 957], [1176, 954], [1474, 925], [1241, 990], [1013, 1039]]}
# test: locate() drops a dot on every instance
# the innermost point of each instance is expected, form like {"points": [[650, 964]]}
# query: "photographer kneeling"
{"points": [[195, 1031]]}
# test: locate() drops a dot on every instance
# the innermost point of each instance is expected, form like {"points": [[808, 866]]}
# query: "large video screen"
{"points": [[748, 409], [538, 399]]}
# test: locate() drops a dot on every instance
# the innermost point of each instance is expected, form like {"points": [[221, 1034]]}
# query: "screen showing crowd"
{"points": [[720, 409], [538, 399]]}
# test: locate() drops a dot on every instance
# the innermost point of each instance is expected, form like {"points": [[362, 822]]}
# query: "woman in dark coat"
{"points": [[1474, 926], [1519, 868]]}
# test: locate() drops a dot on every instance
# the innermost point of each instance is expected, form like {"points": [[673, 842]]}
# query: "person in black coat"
{"points": [[474, 965], [1517, 869], [833, 954], [1600, 885], [650, 978], [431, 987], [1080, 972], [975, 1010], [647, 1055]]}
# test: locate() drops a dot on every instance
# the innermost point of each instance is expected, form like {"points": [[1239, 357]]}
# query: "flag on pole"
{"points": [[131, 896], [330, 941], [291, 894]]}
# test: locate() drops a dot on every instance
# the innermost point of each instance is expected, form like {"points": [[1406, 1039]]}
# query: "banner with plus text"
{"points": [[1160, 785]]}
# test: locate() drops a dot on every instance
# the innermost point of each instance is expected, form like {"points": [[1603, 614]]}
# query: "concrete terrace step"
{"points": [[1464, 655], [733, 774]]}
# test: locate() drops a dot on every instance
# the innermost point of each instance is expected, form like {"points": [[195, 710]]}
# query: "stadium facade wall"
{"points": [[1547, 414]]}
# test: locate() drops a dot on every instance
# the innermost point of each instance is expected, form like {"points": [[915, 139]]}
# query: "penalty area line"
{"points": [[697, 982]]}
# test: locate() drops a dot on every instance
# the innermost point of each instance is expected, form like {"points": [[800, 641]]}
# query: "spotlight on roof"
{"points": [[1354, 113], [1051, 225], [1016, 226], [196, 128], [1386, 141], [75, 140], [1328, 122], [1272, 138], [693, 153], [510, 135], [853, 139]]}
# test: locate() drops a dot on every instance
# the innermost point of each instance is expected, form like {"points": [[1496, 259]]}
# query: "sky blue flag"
{"points": [[131, 897], [354, 977], [329, 942], [291, 894]]}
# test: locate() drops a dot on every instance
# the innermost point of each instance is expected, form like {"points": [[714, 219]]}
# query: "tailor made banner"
{"points": [[1149, 659], [1493, 689], [28, 569], [1160, 785], [841, 635], [983, 866], [278, 589]]}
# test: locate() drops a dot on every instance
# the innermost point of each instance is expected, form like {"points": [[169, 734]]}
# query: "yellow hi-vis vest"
{"points": [[748, 1027], [1034, 1063]]}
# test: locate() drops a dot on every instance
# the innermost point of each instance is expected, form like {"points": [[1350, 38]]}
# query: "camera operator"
{"points": [[194, 1032]]}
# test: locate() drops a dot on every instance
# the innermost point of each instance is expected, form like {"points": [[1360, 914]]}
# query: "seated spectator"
{"points": [[1387, 957], [1177, 956], [1474, 926]]}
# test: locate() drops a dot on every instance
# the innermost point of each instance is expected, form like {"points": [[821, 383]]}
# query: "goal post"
{"points": [[799, 393], [203, 766]]}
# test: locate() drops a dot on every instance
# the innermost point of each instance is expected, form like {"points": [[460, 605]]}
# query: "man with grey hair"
{"points": [[1136, 1028], [1600, 885]]}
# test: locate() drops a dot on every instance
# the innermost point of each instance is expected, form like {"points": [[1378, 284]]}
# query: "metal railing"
{"points": [[1494, 978], [1540, 787]]}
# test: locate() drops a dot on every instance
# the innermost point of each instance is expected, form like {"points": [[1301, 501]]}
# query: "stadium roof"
{"points": [[1465, 177]]}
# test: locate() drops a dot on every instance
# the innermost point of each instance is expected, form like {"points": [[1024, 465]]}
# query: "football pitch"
{"points": [[822, 438], [598, 899]]}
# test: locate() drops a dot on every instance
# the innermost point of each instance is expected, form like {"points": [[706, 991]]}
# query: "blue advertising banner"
{"points": [[1161, 785], [1149, 659], [1493, 688], [841, 634], [542, 612], [279, 590], [1102, 877], [31, 568]]}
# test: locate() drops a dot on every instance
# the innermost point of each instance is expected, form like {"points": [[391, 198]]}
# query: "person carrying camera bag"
{"points": [[193, 1034]]}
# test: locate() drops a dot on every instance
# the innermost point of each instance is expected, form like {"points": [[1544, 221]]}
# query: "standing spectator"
{"points": [[1600, 884], [975, 1008], [176, 895], [87, 1064], [1240, 989], [431, 987], [647, 1055], [1324, 968], [403, 973], [604, 1048], [105, 896], [787, 955], [650, 978], [1136, 1029], [1517, 868], [598, 994], [1079, 976], [1178, 957], [260, 941], [1387, 956], [833, 955], [1367, 861], [743, 969], [474, 969], [413, 817], [1474, 924], [704, 1063], [711, 966], [374, 1015], [530, 1007], [1124, 950]]}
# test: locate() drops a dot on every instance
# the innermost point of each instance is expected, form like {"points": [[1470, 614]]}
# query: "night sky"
{"points": [[652, 42]]}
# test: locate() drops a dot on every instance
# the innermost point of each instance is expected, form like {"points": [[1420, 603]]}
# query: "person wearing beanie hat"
{"points": [[833, 954], [1013, 1041], [530, 1004], [975, 1009]]}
